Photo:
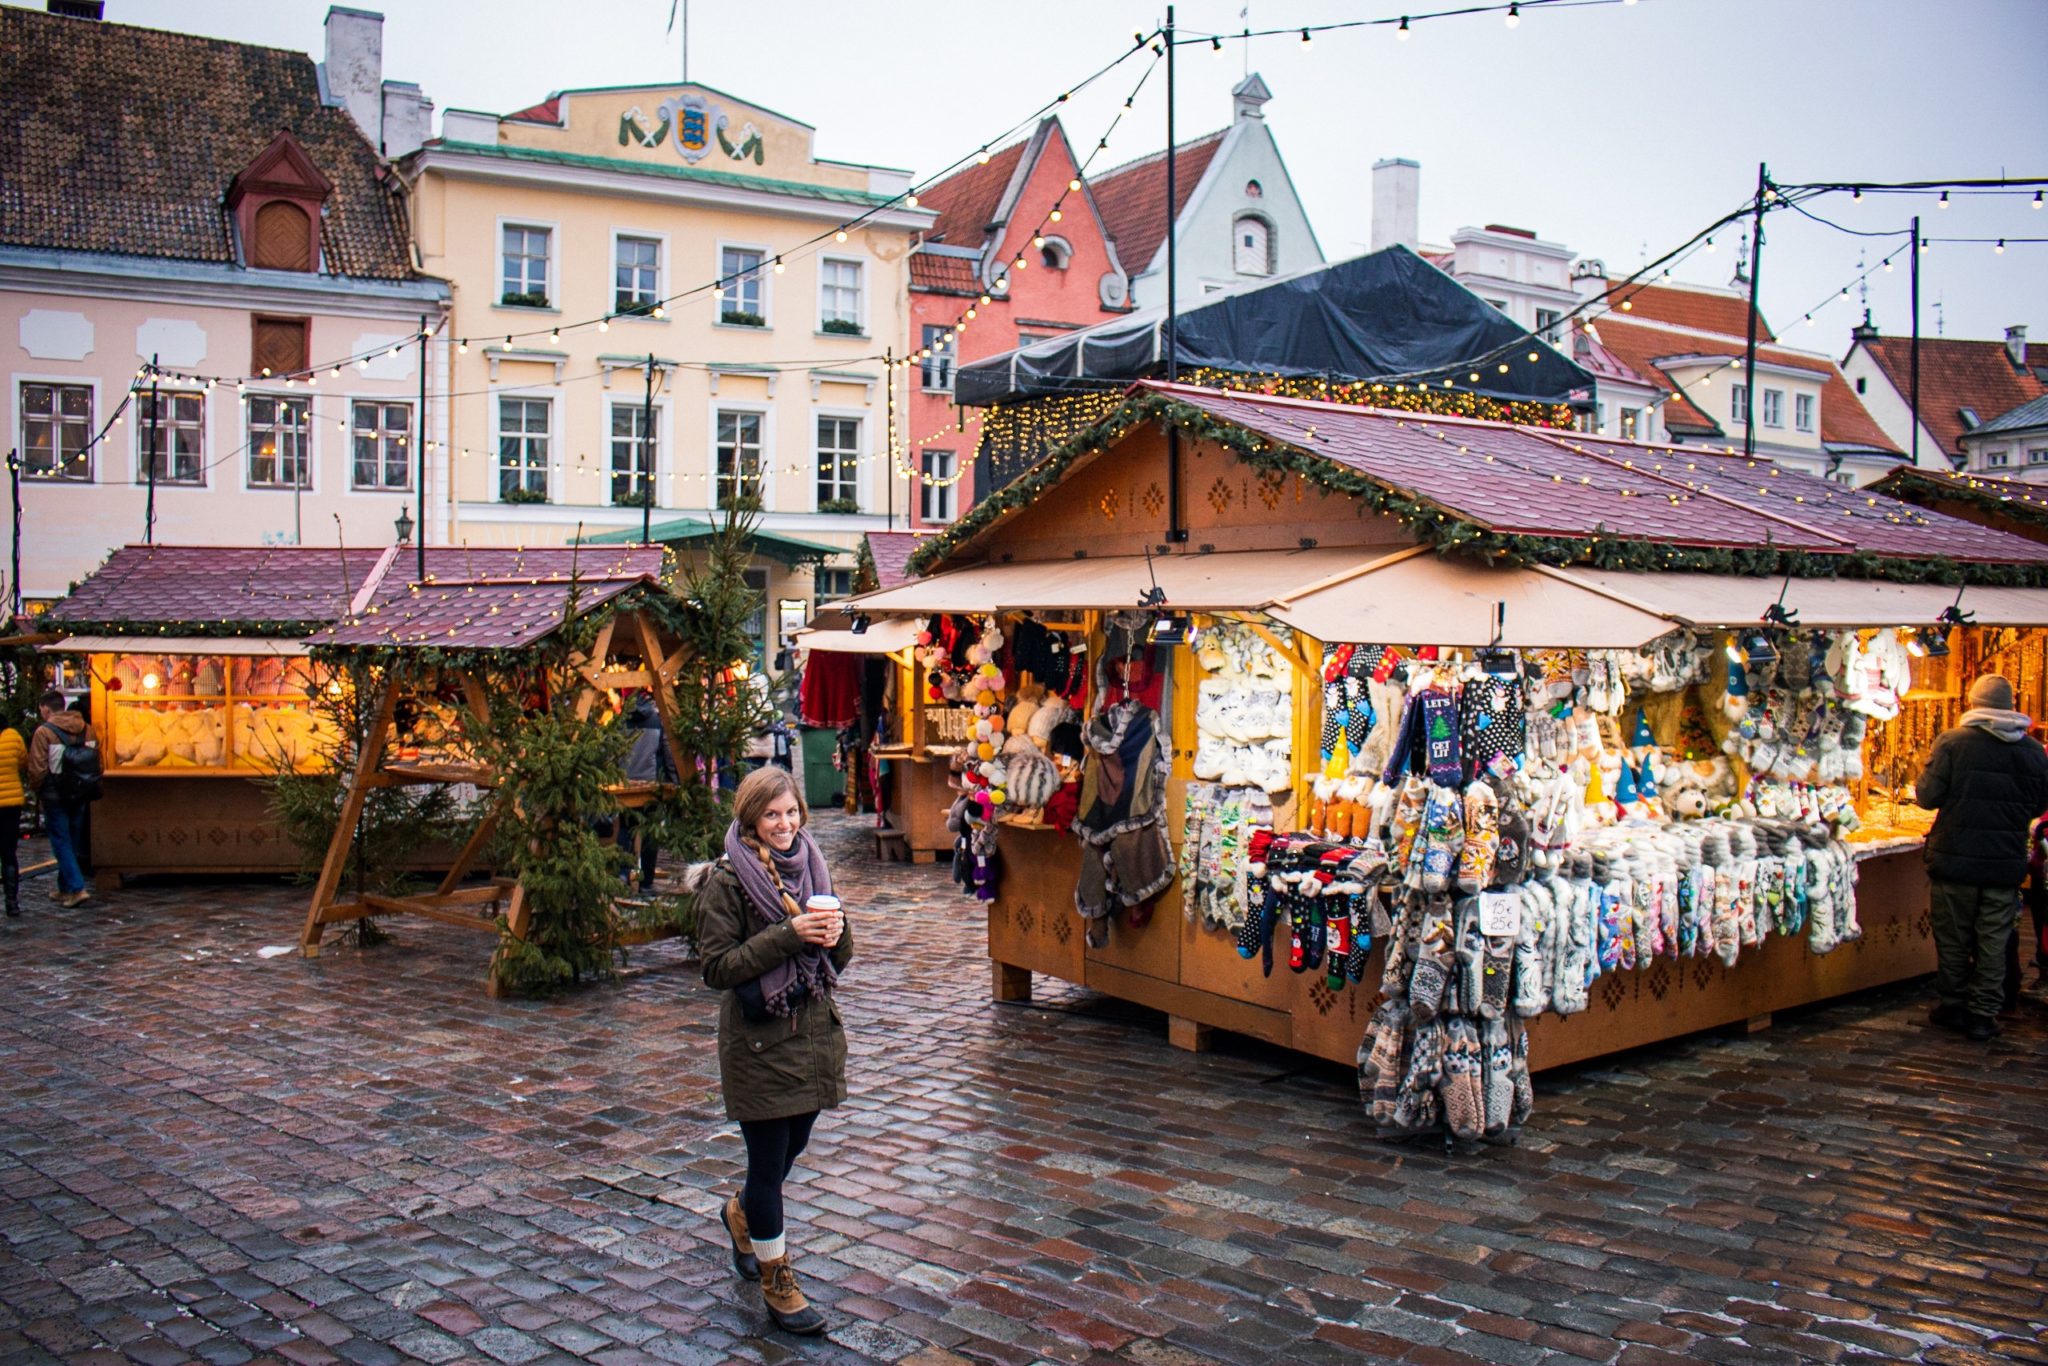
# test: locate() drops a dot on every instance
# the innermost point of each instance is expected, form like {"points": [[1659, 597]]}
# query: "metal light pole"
{"points": [[1756, 270], [155, 417], [647, 449], [1913, 358], [420, 446]]}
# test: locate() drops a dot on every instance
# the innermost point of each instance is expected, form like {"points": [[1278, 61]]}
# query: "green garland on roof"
{"points": [[1925, 490], [1444, 529], [142, 631]]}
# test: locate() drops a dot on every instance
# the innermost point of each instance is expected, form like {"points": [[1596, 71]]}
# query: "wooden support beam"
{"points": [[351, 812], [518, 918], [1010, 983], [1192, 1035], [473, 846], [479, 701], [618, 678], [664, 699], [420, 906]]}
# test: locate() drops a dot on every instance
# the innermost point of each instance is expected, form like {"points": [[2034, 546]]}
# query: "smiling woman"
{"points": [[774, 940]]}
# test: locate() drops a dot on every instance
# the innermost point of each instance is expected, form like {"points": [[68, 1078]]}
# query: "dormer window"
{"points": [[1254, 190], [276, 201], [1251, 245], [1970, 419]]}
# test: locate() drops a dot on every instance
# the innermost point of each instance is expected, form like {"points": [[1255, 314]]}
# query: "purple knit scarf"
{"points": [[796, 877]]}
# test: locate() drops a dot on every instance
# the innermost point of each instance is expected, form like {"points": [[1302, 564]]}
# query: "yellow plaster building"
{"points": [[605, 229]]}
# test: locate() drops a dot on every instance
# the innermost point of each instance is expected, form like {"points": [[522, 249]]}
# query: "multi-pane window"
{"points": [[739, 457], [1631, 423], [839, 296], [1774, 407], [938, 366], [1738, 402], [1546, 323], [1995, 460], [936, 502], [525, 437], [742, 298], [170, 433], [382, 445], [757, 619], [838, 461], [56, 431], [639, 275], [525, 267], [1802, 411], [833, 583], [633, 452], [2037, 455], [278, 437]]}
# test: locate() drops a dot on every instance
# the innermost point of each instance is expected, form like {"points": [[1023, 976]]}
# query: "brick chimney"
{"points": [[2016, 346]]}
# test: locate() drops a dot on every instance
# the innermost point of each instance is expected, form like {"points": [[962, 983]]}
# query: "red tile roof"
{"points": [[124, 139], [548, 110], [1706, 310], [934, 274], [966, 201], [1531, 481], [1132, 197], [1844, 421], [891, 551], [217, 590], [1957, 374]]}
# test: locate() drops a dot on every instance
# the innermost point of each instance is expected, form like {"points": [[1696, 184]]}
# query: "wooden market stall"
{"points": [[200, 689], [201, 685], [1304, 529], [468, 619]]}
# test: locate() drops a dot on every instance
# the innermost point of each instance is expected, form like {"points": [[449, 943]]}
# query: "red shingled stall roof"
{"points": [[891, 551], [1529, 481], [492, 598], [211, 590]]}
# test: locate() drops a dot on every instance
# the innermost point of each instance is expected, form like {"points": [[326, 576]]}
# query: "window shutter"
{"points": [[283, 238], [279, 346]]}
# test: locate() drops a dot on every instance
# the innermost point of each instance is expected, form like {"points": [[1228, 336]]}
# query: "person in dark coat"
{"points": [[781, 1039], [1986, 780], [647, 761]]}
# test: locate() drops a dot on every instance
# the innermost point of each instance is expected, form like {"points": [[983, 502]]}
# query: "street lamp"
{"points": [[404, 525]]}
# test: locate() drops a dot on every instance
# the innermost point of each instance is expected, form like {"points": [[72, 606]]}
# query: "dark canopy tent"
{"points": [[1387, 315]]}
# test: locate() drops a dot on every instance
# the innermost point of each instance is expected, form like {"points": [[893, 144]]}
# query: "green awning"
{"points": [[682, 530]]}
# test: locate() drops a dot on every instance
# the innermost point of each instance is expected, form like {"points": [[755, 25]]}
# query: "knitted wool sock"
{"points": [[1482, 838], [1443, 834], [1439, 734], [1498, 1074], [1463, 1093], [1410, 802], [1428, 983], [1525, 1092], [1497, 976], [1361, 940], [1531, 989], [1380, 1073], [1416, 1106], [1727, 917]]}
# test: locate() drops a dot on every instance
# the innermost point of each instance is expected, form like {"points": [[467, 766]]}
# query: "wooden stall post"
{"points": [[351, 813]]}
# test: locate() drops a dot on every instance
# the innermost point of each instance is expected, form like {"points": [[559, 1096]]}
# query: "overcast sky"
{"points": [[1616, 130]]}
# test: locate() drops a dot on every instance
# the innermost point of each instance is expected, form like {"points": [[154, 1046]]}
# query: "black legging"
{"points": [[773, 1146]]}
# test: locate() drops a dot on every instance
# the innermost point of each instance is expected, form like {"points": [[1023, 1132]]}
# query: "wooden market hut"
{"points": [[199, 687], [476, 611], [1347, 524]]}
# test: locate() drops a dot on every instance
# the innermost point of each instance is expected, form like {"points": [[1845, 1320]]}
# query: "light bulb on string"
{"points": [[1943, 202], [1514, 18], [981, 157], [1402, 32], [1999, 250], [555, 335], [1304, 38], [1216, 46], [910, 201], [2037, 199], [839, 236]]}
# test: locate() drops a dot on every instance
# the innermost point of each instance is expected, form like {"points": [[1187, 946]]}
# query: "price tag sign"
{"points": [[1500, 913]]}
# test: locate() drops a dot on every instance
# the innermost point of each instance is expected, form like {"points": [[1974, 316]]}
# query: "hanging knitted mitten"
{"points": [[1482, 838], [1433, 949], [1443, 837], [1498, 1065], [1463, 1093], [1525, 1092]]}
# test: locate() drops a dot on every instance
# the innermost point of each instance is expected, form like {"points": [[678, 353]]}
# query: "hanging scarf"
{"points": [[777, 886]]}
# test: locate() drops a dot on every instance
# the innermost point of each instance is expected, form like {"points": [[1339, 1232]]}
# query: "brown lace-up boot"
{"points": [[743, 1260], [785, 1298]]}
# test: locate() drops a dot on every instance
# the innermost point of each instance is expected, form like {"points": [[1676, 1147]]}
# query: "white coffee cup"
{"points": [[828, 905]]}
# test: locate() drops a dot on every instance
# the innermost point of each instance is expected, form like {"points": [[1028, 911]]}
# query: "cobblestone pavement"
{"points": [[209, 1155]]}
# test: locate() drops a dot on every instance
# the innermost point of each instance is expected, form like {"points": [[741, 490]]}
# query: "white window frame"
{"points": [[554, 260], [657, 466], [2037, 455], [949, 363], [1996, 459], [865, 267], [661, 274], [1629, 423], [248, 451], [1773, 408], [551, 396], [949, 494], [861, 452], [766, 412], [766, 279], [412, 436], [140, 420], [1738, 403], [93, 424], [1805, 407]]}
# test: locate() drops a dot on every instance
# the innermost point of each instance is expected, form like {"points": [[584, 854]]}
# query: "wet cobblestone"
{"points": [[209, 1156]]}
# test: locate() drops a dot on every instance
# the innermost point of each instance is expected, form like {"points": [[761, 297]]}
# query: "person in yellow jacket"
{"points": [[13, 793]]}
